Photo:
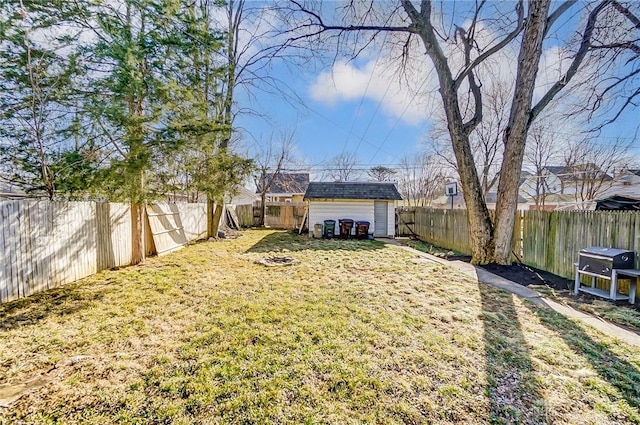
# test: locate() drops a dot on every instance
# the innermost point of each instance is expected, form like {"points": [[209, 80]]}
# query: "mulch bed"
{"points": [[526, 275], [522, 274]]}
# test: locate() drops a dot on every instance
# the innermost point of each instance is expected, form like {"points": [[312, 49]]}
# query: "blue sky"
{"points": [[324, 130], [360, 106]]}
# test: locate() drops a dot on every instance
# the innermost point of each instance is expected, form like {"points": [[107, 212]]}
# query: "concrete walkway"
{"points": [[483, 276]]}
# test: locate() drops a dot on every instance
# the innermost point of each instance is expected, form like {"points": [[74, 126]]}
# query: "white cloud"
{"points": [[407, 97], [414, 97]]}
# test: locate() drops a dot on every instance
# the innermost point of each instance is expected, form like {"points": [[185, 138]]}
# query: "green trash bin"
{"points": [[329, 228]]}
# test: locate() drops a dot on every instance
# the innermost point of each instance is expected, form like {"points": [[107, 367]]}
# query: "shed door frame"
{"points": [[380, 215]]}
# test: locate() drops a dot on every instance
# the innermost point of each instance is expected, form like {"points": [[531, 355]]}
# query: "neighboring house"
{"points": [[625, 183], [242, 196], [285, 187], [444, 202], [580, 183], [374, 202], [492, 198]]}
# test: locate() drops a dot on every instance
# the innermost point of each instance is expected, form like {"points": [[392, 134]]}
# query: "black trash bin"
{"points": [[346, 224], [329, 228], [362, 229]]}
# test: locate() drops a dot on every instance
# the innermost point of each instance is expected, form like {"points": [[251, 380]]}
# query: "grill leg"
{"points": [[632, 290], [614, 284], [576, 287]]}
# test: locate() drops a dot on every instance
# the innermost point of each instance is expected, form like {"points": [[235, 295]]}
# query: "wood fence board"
{"points": [[46, 244], [193, 217], [166, 227], [245, 215], [5, 270]]}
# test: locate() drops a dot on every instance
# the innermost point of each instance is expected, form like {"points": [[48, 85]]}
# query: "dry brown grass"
{"points": [[355, 332]]}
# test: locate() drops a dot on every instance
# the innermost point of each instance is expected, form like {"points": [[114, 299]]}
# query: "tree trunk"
{"points": [[210, 209], [217, 213], [138, 250], [214, 212], [263, 207], [516, 133], [477, 214], [478, 218]]}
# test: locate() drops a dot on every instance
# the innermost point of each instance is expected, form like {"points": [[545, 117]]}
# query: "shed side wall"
{"points": [[357, 210]]}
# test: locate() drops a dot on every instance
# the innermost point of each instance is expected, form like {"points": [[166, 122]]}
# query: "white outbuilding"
{"points": [[373, 202]]}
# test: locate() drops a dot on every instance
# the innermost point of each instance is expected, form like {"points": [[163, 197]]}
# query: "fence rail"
{"points": [[47, 244]]}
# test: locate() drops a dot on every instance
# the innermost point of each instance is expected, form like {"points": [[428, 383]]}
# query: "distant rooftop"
{"points": [[286, 183]]}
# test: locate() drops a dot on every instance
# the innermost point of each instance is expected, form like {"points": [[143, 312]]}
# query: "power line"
{"points": [[353, 122]]}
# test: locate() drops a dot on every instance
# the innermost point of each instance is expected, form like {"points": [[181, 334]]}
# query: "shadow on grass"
{"points": [[279, 241], [511, 383], [61, 301], [620, 373]]}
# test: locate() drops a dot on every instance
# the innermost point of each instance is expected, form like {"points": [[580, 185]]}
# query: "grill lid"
{"points": [[604, 251]]}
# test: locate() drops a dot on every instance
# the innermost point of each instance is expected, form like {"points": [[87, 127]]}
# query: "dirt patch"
{"points": [[275, 261], [9, 393]]}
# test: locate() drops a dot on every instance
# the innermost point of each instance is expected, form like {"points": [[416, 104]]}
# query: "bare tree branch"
{"points": [[575, 64]]}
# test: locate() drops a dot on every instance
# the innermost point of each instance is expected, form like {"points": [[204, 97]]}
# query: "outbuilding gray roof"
{"points": [[352, 190]]}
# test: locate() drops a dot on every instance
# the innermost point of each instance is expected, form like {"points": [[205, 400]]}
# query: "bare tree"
{"points": [[542, 149], [590, 165], [617, 89], [485, 139], [460, 85], [343, 167], [273, 157], [421, 179], [381, 173]]}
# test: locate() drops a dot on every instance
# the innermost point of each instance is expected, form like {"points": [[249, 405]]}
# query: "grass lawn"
{"points": [[355, 332], [620, 313]]}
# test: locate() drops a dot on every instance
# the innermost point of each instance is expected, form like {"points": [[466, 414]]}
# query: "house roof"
{"points": [[492, 198], [576, 172], [286, 183], [617, 202], [524, 175], [353, 190]]}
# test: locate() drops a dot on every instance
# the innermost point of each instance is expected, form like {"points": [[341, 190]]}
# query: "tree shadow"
{"points": [[511, 382], [287, 240], [620, 373], [57, 302]]}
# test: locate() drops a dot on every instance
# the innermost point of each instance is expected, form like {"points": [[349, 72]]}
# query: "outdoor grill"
{"points": [[598, 260]]}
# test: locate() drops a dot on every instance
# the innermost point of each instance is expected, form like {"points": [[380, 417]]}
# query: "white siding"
{"points": [[357, 210], [391, 220]]}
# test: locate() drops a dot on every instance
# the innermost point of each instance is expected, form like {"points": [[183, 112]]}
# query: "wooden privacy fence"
{"points": [[278, 215], [284, 215], [444, 228], [547, 240], [245, 215], [47, 244], [552, 240]]}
